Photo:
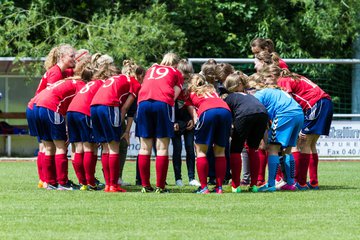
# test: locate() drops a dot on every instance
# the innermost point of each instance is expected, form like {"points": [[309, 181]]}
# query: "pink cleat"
{"points": [[288, 187]]}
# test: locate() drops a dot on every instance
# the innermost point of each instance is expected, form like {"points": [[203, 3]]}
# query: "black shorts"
{"points": [[249, 128]]}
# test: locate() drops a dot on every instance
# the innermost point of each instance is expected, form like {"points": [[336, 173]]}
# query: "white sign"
{"points": [[134, 147], [343, 140]]}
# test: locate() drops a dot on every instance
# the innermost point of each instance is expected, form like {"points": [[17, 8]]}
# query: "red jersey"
{"points": [[31, 103], [206, 101], [283, 64], [53, 75], [82, 100], [159, 83], [116, 90], [58, 96], [304, 91]]}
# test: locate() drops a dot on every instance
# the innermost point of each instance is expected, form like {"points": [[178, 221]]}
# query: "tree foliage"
{"points": [[142, 36], [144, 30]]}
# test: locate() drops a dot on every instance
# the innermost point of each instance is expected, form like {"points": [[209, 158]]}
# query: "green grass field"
{"points": [[30, 213]]}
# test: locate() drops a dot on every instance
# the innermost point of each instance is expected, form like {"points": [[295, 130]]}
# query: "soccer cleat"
{"points": [[122, 183], [179, 183], [107, 188], [73, 185], [98, 183], [226, 181], [40, 184], [94, 188], [260, 183], [253, 189], [280, 184], [204, 190], [195, 183], [287, 187], [244, 182], [116, 189], [51, 187], [219, 190], [83, 187], [312, 187], [236, 190], [69, 186], [147, 189], [45, 185], [267, 188], [301, 187], [161, 190]]}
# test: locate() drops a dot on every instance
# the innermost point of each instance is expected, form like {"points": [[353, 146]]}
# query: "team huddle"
{"points": [[229, 121]]}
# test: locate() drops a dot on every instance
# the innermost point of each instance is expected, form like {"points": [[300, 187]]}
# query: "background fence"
{"points": [[333, 75]]}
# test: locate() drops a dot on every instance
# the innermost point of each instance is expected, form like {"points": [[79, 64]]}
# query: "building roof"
{"points": [[8, 67]]}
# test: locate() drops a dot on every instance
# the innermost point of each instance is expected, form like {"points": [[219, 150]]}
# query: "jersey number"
{"points": [[86, 88], [157, 73]]}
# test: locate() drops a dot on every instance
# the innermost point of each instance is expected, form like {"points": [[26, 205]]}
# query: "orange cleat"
{"points": [[116, 189]]}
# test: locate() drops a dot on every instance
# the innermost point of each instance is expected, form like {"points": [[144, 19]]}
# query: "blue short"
{"points": [[106, 123], [79, 127], [213, 127], [30, 117], [50, 125], [318, 118], [285, 130], [155, 119]]}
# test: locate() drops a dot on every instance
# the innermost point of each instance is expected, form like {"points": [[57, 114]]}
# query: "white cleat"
{"points": [[195, 183], [179, 183], [280, 184], [122, 183]]}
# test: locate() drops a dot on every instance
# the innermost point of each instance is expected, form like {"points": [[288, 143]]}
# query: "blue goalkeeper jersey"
{"points": [[278, 103]]}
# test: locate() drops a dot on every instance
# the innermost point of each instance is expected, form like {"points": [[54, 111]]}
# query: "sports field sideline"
{"points": [[30, 213]]}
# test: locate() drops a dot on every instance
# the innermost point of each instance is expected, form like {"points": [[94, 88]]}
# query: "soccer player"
{"points": [[264, 58], [79, 123], [52, 104], [265, 44], [318, 110], [250, 121], [286, 121], [213, 124], [155, 118], [184, 126], [126, 126], [58, 65], [108, 109]]}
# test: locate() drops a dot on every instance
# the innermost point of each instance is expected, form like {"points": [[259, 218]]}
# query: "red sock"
{"points": [[301, 167], [161, 165], [114, 168], [144, 169], [49, 169], [262, 164], [78, 164], [40, 163], [220, 170], [202, 167], [313, 169], [296, 156], [61, 163], [105, 167], [235, 165], [254, 165], [88, 168]]}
